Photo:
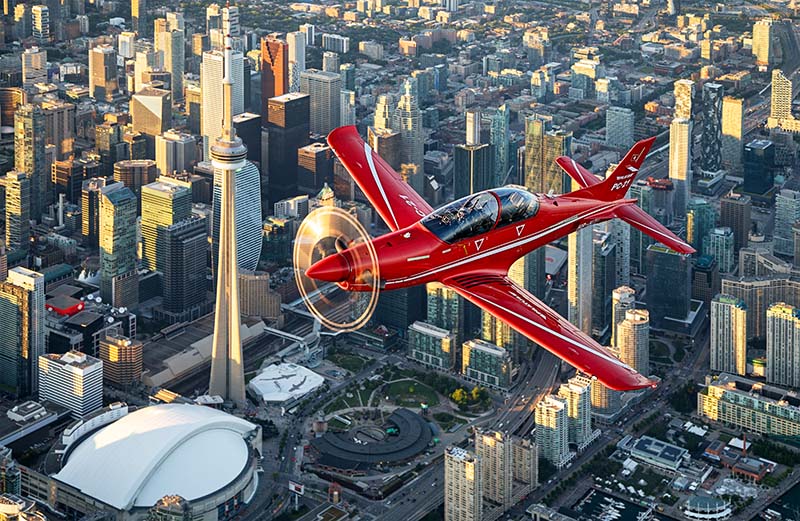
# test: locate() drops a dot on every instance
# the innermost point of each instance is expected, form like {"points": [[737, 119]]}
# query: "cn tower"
{"points": [[228, 155]]}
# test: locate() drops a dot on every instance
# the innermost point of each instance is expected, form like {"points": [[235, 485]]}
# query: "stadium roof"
{"points": [[188, 450], [284, 382]]}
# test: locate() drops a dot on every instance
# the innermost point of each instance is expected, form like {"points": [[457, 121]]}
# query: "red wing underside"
{"points": [[395, 201], [512, 304]]}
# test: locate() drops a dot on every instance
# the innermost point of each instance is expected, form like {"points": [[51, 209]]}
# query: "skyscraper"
{"points": [[619, 127], [323, 89], [783, 345], [330, 61], [622, 299], [719, 244], [680, 162], [274, 70], [34, 67], [384, 108], [407, 120], [759, 166], [135, 173], [17, 207], [762, 41], [348, 110], [579, 278], [296, 42], [542, 146], [151, 112], [781, 96], [633, 340], [577, 395], [701, 218], [288, 126], [175, 152], [728, 335], [172, 44], [734, 212], [140, 18], [683, 90], [787, 212], [499, 139], [463, 485], [22, 337], [41, 24], [29, 157], [552, 430], [122, 359], [348, 73], [473, 169], [732, 133], [119, 284], [229, 156], [494, 452], [73, 380], [604, 271], [164, 203], [711, 139], [668, 284], [183, 281], [90, 210], [103, 83], [211, 101]]}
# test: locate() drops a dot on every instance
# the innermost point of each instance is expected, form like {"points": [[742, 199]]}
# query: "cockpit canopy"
{"points": [[479, 213]]}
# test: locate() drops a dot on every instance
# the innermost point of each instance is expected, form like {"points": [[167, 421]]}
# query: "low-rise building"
{"points": [[431, 346]]}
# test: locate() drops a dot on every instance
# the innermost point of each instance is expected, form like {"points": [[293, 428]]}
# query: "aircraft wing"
{"points": [[396, 202], [511, 303]]}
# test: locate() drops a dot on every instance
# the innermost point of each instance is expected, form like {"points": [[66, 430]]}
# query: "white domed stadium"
{"points": [[203, 455]]}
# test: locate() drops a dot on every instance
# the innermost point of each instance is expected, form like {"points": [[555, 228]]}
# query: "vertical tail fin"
{"points": [[616, 185]]}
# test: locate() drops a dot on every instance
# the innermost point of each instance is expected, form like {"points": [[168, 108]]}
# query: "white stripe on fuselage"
{"points": [[504, 247]]}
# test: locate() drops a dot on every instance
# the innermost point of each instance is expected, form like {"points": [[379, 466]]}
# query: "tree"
{"points": [[459, 396]]}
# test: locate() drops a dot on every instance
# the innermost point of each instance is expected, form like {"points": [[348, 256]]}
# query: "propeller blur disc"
{"points": [[327, 231]]}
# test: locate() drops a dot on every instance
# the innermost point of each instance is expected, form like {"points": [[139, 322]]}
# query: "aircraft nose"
{"points": [[333, 268]]}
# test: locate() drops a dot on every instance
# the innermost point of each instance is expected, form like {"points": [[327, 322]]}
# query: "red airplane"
{"points": [[470, 244]]}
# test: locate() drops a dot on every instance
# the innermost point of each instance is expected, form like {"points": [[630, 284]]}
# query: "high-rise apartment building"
{"points": [[493, 450], [330, 61], [701, 217], [73, 380], [781, 96], [719, 244], [323, 89], [119, 284], [22, 334], [41, 24], [783, 345], [787, 212], [175, 152], [432, 346], [728, 335], [732, 133], [172, 44], [680, 162], [122, 359], [577, 395], [604, 278], [274, 70], [552, 430], [91, 191], [619, 127], [29, 155], [683, 90], [103, 82], [34, 66], [463, 485], [623, 298], [762, 41], [348, 108], [17, 210], [633, 340], [499, 139], [711, 139]]}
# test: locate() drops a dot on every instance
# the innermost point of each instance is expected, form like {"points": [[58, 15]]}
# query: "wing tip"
{"points": [[339, 134]]}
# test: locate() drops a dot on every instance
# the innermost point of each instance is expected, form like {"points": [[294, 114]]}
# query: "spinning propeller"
{"points": [[333, 253]]}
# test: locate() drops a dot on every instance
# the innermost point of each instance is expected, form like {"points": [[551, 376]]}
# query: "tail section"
{"points": [[616, 185], [645, 223]]}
